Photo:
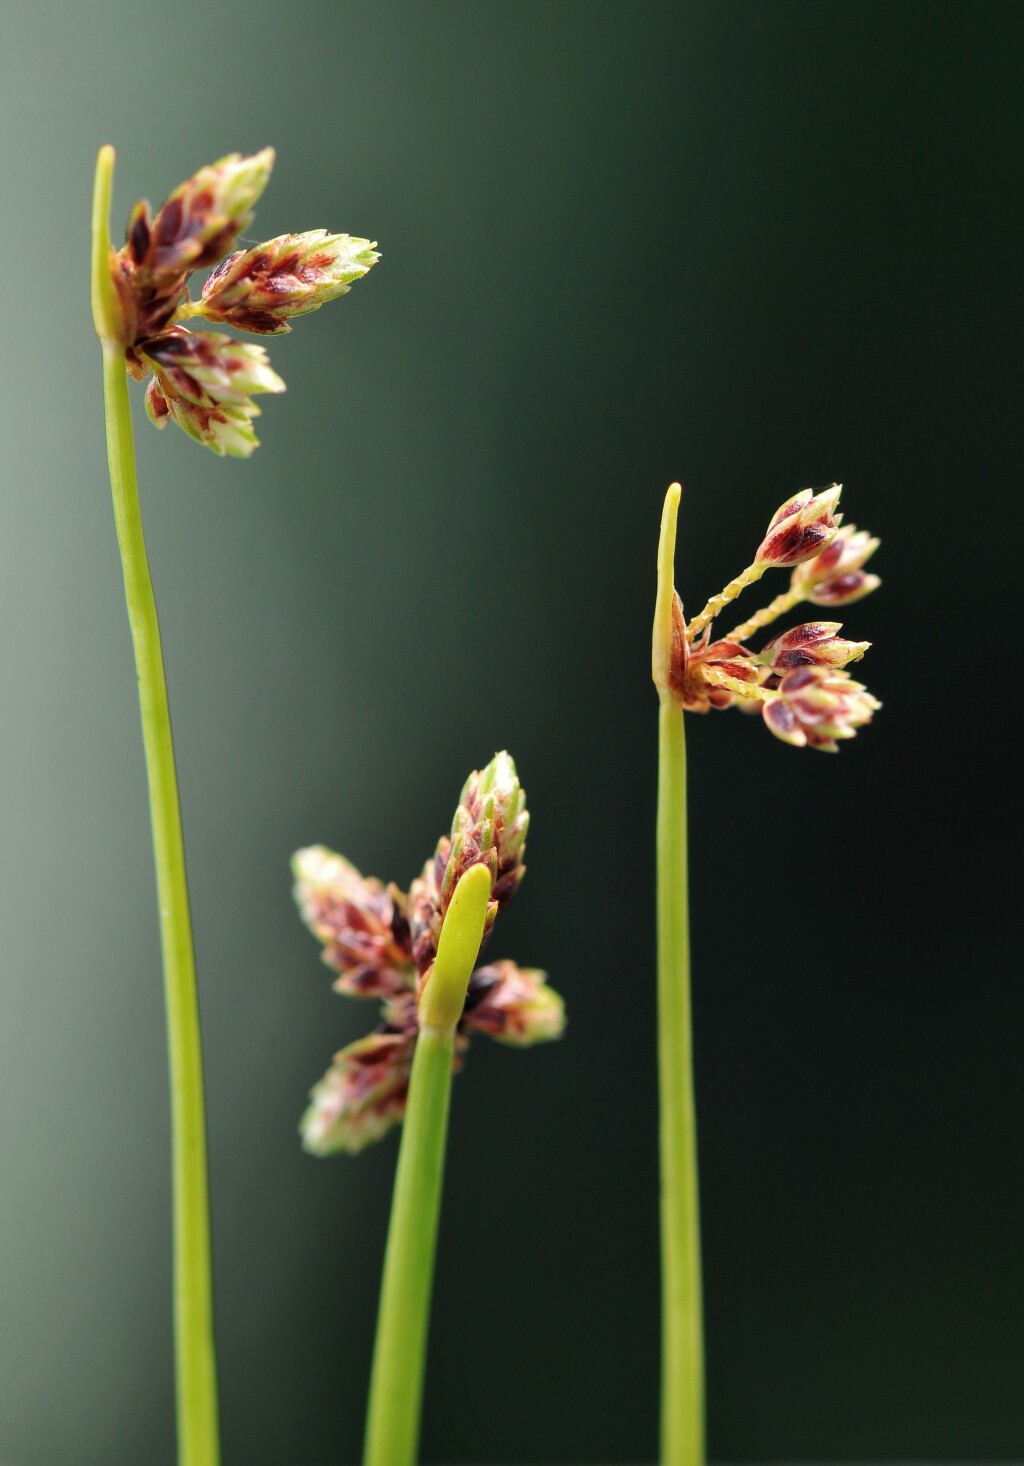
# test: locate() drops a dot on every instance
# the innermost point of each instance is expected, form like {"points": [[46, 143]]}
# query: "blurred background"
{"points": [[755, 246]]}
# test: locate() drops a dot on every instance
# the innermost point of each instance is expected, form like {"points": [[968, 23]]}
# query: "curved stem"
{"points": [[682, 1365], [782, 603], [396, 1383], [193, 1309], [718, 603]]}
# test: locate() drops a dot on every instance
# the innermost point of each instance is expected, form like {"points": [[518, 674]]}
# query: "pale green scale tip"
{"points": [[103, 305], [444, 995]]}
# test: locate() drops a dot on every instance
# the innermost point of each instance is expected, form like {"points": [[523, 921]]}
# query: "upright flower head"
{"points": [[797, 679], [383, 944], [205, 382]]}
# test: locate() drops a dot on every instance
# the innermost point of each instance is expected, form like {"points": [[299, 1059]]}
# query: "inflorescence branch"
{"points": [[798, 680]]}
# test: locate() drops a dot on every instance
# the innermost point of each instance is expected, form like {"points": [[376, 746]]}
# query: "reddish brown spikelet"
{"points": [[799, 529], [815, 644]]}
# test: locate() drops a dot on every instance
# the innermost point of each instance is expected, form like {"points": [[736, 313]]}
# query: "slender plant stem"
{"points": [[193, 1308], [396, 1384], [682, 1367]]}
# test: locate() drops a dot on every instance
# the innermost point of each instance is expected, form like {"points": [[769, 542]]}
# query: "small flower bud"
{"points": [[203, 383], [259, 289], [360, 922], [513, 1004], [815, 707], [836, 576], [812, 645], [800, 528]]}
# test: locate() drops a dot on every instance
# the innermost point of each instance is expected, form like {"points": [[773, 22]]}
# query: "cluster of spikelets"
{"points": [[798, 680], [382, 943], [204, 380]]}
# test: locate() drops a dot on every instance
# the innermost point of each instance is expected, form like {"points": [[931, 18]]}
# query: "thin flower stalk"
{"points": [[399, 1357], [799, 684], [195, 1362], [415, 952], [682, 1333], [204, 381]]}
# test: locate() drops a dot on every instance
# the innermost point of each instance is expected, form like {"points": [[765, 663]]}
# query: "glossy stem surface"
{"points": [[682, 1359], [195, 1362], [396, 1384]]}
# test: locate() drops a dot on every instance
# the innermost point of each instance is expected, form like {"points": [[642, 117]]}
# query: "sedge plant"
{"points": [[416, 954], [798, 684], [205, 382]]}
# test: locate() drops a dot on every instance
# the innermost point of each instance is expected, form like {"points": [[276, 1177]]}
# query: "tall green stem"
{"points": [[682, 1367], [396, 1384], [193, 1307]]}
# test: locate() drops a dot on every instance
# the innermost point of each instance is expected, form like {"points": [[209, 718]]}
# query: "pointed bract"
{"points": [[261, 289]]}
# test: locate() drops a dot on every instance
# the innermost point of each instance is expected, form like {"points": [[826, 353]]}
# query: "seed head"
{"points": [[815, 707], [204, 380], [513, 1004], [260, 289], [836, 576], [363, 1093], [360, 921], [381, 942], [812, 645], [800, 528], [199, 221], [489, 829]]}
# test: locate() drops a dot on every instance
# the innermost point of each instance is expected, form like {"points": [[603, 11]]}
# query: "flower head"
{"points": [[836, 576], [261, 289], [383, 943], [361, 923], [206, 383], [812, 645], [796, 680], [800, 528], [489, 829], [203, 381], [816, 707]]}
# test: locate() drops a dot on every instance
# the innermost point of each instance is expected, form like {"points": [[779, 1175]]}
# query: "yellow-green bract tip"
{"points": [[661, 643], [104, 312], [444, 995]]}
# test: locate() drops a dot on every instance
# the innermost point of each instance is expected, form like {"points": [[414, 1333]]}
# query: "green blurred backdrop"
{"points": [[752, 245]]}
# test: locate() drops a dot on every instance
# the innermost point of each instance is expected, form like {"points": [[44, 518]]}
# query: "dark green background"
{"points": [[752, 245]]}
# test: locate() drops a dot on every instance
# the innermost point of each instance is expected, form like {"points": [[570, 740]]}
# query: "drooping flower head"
{"points": [[797, 679], [383, 944], [204, 381]]}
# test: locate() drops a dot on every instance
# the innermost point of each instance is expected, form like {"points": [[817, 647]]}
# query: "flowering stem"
{"points": [[682, 1365], [718, 603], [715, 677], [195, 1362], [396, 1382], [782, 603]]}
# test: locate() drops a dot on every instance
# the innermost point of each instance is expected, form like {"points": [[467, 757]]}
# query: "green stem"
{"points": [[193, 1308], [396, 1383], [682, 1368]]}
